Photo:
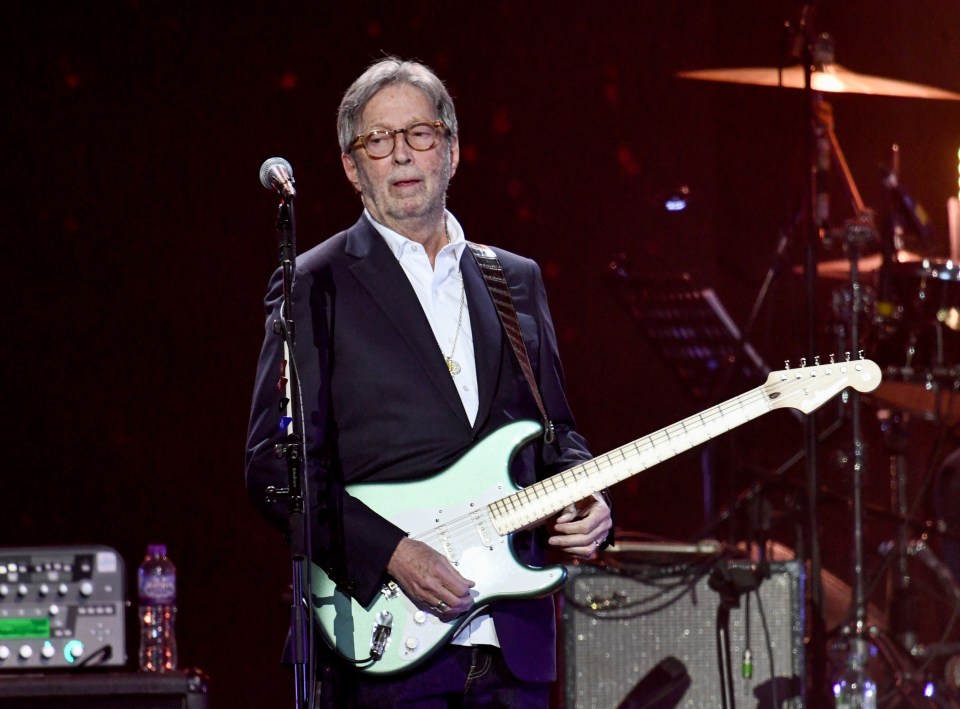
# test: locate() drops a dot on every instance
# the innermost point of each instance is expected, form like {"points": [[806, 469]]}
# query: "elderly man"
{"points": [[405, 367]]}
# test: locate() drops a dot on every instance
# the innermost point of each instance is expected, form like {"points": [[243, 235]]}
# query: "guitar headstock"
{"points": [[808, 387]]}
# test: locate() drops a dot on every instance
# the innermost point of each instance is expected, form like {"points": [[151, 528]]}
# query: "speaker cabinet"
{"points": [[111, 690], [618, 626]]}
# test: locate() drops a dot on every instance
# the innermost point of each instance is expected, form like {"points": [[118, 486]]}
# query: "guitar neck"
{"points": [[532, 505]]}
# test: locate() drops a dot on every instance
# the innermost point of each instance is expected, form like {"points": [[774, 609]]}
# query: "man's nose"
{"points": [[402, 153]]}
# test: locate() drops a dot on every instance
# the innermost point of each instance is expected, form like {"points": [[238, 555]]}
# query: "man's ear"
{"points": [[351, 171], [454, 155]]}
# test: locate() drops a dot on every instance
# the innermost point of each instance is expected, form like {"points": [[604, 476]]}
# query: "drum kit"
{"points": [[903, 310]]}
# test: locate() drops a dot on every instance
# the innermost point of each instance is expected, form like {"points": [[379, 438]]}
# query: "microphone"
{"points": [[277, 175], [915, 215]]}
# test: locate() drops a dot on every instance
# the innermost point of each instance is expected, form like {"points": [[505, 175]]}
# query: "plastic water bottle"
{"points": [[157, 586], [854, 688]]}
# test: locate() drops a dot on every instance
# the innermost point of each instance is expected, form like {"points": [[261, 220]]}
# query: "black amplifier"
{"points": [[61, 607]]}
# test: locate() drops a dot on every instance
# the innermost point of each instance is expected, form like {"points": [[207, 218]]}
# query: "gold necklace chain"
{"points": [[452, 365]]}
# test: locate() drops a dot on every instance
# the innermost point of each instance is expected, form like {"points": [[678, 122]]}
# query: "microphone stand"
{"points": [[293, 452], [730, 582]]}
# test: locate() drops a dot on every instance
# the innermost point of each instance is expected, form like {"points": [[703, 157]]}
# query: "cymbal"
{"points": [[840, 268], [832, 78]]}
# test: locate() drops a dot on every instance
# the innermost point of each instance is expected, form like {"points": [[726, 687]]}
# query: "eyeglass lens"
{"points": [[419, 136]]}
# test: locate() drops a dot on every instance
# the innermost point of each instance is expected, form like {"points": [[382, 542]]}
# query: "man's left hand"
{"points": [[581, 528]]}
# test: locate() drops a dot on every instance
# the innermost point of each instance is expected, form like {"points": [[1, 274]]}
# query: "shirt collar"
{"points": [[398, 243]]}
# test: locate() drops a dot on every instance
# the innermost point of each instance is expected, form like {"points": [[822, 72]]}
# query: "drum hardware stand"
{"points": [[857, 232], [903, 611]]}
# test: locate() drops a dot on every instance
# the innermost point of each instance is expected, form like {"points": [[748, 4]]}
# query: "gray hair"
{"points": [[386, 72]]}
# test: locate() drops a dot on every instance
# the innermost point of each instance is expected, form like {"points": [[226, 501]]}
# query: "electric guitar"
{"points": [[469, 511]]}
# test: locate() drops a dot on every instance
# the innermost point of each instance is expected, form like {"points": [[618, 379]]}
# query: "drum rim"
{"points": [[938, 269]]}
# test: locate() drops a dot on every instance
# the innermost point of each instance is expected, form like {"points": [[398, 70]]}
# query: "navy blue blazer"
{"points": [[380, 405]]}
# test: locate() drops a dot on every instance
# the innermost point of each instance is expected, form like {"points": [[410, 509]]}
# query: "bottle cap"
{"points": [[156, 549]]}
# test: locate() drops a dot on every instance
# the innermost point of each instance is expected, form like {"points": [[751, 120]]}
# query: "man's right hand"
{"points": [[428, 578]]}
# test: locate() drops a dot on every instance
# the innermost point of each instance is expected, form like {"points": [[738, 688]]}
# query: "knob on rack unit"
{"points": [[61, 607]]}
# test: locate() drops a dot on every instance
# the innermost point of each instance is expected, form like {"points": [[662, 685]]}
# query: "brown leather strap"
{"points": [[500, 292]]}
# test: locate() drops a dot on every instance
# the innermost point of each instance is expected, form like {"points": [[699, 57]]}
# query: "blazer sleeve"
{"points": [[348, 540]]}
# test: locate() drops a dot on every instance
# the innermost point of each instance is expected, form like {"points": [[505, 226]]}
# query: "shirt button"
{"points": [[466, 388], [413, 247]]}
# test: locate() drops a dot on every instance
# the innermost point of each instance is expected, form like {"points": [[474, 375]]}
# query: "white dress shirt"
{"points": [[440, 292]]}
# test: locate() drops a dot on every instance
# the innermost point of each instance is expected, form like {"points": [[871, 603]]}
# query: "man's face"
{"points": [[406, 190]]}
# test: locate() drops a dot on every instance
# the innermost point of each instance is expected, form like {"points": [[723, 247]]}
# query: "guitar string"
{"points": [[620, 458], [690, 428], [465, 524]]}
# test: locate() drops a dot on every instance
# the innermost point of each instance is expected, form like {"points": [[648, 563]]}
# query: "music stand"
{"points": [[693, 334]]}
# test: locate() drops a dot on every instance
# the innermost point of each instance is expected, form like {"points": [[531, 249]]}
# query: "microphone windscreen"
{"points": [[268, 165]]}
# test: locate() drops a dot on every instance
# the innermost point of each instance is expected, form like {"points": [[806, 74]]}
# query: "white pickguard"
{"points": [[461, 528]]}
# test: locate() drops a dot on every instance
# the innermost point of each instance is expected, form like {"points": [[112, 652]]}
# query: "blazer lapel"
{"points": [[380, 274]]}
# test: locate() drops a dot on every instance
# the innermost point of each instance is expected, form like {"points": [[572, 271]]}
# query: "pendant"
{"points": [[452, 366]]}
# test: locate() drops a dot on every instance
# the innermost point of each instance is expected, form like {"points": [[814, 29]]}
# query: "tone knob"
{"points": [[22, 590], [47, 651], [412, 643], [26, 652], [76, 649], [54, 609], [4, 590], [86, 589], [4, 652], [62, 589], [419, 617]]}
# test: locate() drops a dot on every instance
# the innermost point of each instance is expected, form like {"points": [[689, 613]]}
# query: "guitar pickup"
{"points": [[448, 548], [482, 531]]}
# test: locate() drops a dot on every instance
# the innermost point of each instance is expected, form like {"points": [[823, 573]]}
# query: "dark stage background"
{"points": [[138, 242]]}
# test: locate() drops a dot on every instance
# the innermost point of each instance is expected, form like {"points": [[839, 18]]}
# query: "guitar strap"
{"points": [[500, 292], [496, 282]]}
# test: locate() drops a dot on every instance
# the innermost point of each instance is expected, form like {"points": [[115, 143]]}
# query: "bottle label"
{"points": [[158, 590]]}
